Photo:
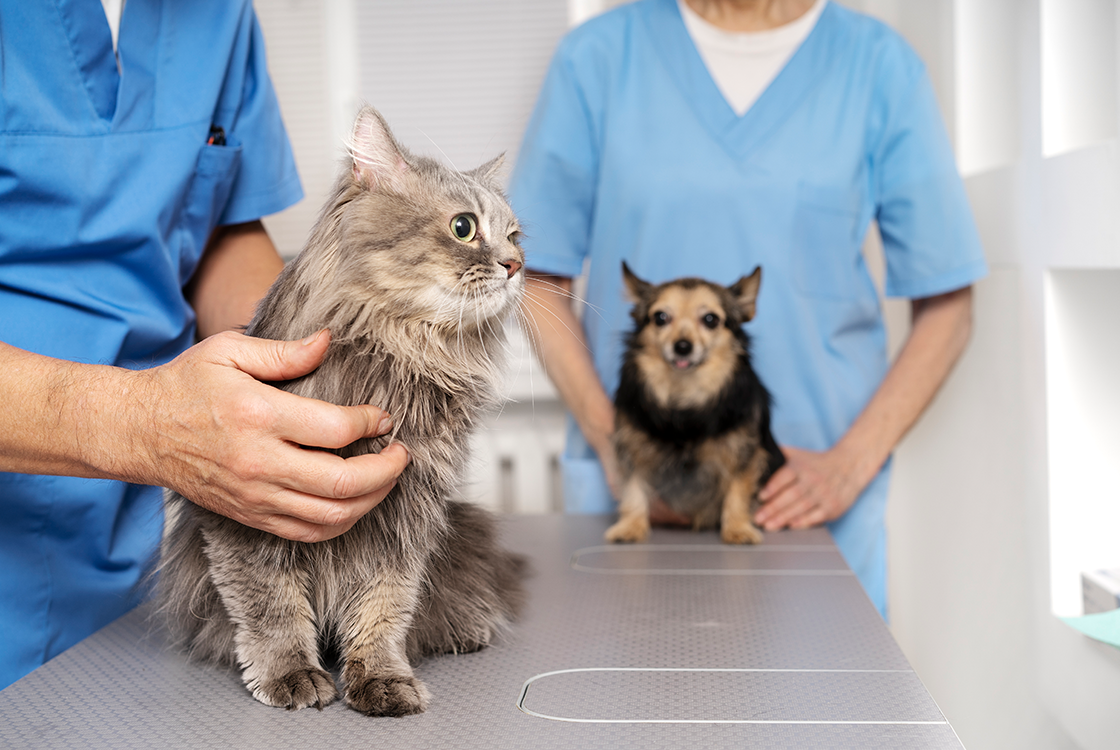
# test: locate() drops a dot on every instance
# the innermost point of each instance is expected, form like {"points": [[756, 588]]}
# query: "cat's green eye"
{"points": [[464, 227]]}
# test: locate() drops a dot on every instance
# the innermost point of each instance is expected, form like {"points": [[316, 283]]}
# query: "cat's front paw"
{"points": [[298, 689], [387, 695]]}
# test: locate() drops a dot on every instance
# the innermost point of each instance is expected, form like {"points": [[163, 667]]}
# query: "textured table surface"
{"points": [[682, 642]]}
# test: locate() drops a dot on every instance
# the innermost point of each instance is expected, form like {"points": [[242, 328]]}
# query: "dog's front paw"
{"points": [[298, 689], [632, 529], [387, 695], [740, 533]]}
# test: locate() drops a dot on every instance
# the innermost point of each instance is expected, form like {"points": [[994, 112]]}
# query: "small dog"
{"points": [[692, 419]]}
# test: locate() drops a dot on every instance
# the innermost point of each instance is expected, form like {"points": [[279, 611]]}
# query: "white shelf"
{"points": [[1083, 415], [985, 72], [1079, 81]]}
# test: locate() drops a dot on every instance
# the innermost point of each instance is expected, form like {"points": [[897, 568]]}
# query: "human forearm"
{"points": [[239, 265], [940, 330], [558, 339], [814, 487], [58, 417], [206, 426], [76, 419]]}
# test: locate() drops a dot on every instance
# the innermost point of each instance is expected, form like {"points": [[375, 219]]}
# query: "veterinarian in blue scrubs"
{"points": [[114, 173], [634, 152]]}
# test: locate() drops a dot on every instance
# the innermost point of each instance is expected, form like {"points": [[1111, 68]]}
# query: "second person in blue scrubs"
{"points": [[640, 149]]}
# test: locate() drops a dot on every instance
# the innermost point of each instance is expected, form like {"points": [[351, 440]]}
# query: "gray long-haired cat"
{"points": [[413, 267]]}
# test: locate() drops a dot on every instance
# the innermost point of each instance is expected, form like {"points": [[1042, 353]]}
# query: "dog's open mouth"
{"points": [[683, 363]]}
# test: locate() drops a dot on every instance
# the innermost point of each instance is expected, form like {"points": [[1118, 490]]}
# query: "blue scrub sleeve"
{"points": [[267, 180], [553, 184], [929, 237]]}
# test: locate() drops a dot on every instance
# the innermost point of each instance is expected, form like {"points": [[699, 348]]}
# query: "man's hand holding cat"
{"points": [[235, 445]]}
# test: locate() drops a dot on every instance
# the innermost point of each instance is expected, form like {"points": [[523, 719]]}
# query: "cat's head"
{"points": [[430, 242]]}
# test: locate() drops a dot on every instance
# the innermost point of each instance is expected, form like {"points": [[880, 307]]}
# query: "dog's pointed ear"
{"points": [[746, 292], [635, 287]]}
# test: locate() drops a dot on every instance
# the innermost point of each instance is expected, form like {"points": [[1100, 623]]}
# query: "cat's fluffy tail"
{"points": [[473, 588], [186, 599]]}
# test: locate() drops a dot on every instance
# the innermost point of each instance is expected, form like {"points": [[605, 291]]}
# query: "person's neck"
{"points": [[750, 15]]}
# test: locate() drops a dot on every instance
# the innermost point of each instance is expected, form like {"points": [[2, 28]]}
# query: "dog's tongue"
{"points": [[681, 364]]}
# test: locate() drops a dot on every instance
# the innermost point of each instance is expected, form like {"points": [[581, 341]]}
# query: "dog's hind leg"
{"points": [[736, 523], [633, 521]]}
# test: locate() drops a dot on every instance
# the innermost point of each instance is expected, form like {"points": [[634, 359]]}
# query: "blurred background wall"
{"points": [[1010, 485]]}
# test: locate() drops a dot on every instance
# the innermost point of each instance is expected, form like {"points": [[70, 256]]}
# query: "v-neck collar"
{"points": [[91, 44], [740, 135], [121, 99]]}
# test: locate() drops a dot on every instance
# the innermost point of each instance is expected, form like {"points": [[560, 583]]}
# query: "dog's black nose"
{"points": [[683, 347]]}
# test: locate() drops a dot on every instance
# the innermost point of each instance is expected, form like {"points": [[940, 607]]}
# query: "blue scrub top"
{"points": [[632, 153], [108, 193]]}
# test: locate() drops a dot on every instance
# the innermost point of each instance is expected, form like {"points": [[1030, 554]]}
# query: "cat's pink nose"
{"points": [[511, 266]]}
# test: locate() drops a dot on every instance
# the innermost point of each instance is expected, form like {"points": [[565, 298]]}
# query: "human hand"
{"points": [[234, 445], [808, 490]]}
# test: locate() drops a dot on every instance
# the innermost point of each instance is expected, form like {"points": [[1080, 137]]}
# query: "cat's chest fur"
{"points": [[436, 394]]}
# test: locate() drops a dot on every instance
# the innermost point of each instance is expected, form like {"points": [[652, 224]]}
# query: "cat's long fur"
{"points": [[415, 315]]}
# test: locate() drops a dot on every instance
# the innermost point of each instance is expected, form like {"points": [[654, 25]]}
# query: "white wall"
{"points": [[981, 483], [985, 482]]}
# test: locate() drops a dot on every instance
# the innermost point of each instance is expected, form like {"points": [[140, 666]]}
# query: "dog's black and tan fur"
{"points": [[692, 417]]}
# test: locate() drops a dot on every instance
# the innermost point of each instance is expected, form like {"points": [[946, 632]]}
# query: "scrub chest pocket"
{"points": [[206, 199], [826, 248]]}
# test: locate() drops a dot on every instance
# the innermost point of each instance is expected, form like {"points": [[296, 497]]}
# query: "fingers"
{"points": [[795, 496], [301, 420], [782, 506], [330, 477], [269, 360], [329, 505], [320, 424], [235, 445], [793, 511], [780, 481]]}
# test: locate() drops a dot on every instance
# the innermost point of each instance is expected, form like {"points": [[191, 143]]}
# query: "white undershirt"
{"points": [[744, 63], [113, 10]]}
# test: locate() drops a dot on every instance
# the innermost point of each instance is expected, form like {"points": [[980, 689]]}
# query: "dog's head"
{"points": [[688, 321]]}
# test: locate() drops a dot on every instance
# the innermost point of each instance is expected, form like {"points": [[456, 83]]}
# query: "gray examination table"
{"points": [[679, 643]]}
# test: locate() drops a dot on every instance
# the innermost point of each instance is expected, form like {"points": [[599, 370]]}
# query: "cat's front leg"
{"points": [[275, 640], [376, 672]]}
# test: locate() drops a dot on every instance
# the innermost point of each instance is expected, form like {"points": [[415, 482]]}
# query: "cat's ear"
{"points": [[488, 173], [745, 291], [377, 158]]}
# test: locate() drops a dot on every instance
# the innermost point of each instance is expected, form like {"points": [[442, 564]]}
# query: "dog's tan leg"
{"points": [[736, 524], [633, 514]]}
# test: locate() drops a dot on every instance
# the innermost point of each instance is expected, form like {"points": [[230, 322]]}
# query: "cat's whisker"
{"points": [[532, 336], [553, 316], [445, 156], [561, 291]]}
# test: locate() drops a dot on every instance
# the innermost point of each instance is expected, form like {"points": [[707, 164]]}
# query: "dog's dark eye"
{"points": [[711, 320], [659, 318]]}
